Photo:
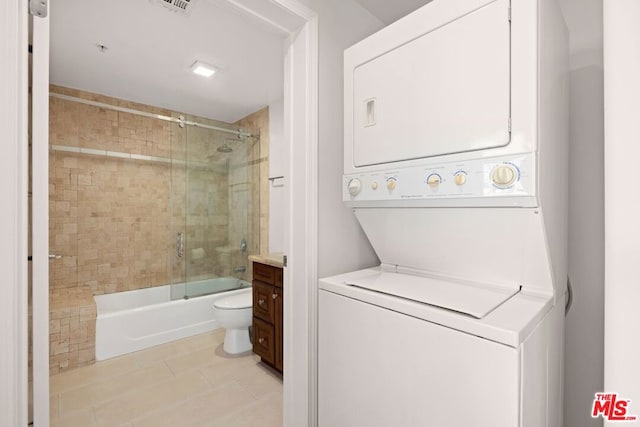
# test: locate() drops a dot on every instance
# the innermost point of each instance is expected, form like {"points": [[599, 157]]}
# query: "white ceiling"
{"points": [[389, 11], [150, 50]]}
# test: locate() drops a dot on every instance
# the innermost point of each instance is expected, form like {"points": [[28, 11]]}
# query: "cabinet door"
{"points": [[263, 301], [263, 341], [278, 327]]}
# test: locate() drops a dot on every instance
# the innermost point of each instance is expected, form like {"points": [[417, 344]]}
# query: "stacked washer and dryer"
{"points": [[455, 145]]}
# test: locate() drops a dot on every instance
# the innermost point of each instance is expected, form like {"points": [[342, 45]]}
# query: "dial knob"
{"points": [[391, 184], [433, 180], [354, 187], [504, 175], [374, 185], [460, 178]]}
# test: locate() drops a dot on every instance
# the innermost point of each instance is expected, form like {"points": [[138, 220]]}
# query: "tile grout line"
{"points": [[246, 389], [250, 406], [173, 376], [195, 367], [197, 370], [96, 375], [213, 386], [164, 361], [112, 378], [174, 404], [131, 391]]}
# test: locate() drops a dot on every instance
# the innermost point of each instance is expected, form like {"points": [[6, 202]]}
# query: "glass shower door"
{"points": [[176, 235], [211, 208]]}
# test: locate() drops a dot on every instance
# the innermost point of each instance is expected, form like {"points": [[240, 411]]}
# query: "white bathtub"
{"points": [[133, 320]]}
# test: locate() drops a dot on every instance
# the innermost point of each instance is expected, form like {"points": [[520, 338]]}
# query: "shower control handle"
{"points": [[180, 244]]}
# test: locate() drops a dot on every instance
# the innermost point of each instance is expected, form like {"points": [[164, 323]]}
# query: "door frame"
{"points": [[40, 219], [299, 25], [14, 213]]}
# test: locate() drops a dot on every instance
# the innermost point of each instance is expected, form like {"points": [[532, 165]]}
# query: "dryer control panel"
{"points": [[511, 178]]}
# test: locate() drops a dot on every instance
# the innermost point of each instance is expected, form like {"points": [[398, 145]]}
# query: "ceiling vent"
{"points": [[179, 6]]}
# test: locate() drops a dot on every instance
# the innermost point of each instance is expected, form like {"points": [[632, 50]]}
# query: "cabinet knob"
{"points": [[261, 301], [274, 296], [261, 340]]}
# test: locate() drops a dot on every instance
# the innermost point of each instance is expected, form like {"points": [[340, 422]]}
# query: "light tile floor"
{"points": [[190, 382]]}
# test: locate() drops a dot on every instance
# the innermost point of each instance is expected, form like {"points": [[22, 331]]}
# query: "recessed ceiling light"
{"points": [[202, 69]]}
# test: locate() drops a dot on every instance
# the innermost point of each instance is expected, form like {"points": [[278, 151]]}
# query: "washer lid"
{"points": [[470, 298], [243, 300]]}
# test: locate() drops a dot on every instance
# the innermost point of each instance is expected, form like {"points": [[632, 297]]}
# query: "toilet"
{"points": [[234, 313]]}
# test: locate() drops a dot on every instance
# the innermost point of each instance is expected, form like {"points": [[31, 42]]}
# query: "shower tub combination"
{"points": [[134, 320]]}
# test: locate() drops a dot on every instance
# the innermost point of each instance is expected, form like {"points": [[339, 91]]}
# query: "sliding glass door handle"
{"points": [[180, 245]]}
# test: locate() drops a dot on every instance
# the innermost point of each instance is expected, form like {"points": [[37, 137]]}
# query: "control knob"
{"points": [[354, 187], [504, 175], [391, 184], [434, 180], [460, 178]]}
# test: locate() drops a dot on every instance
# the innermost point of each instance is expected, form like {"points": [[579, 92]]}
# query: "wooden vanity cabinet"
{"points": [[267, 314]]}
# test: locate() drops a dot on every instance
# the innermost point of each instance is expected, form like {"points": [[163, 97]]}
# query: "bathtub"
{"points": [[134, 320]]}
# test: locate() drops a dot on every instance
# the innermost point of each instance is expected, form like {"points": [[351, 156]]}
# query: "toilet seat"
{"points": [[235, 302]]}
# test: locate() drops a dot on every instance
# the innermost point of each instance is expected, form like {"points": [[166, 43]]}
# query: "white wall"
{"points": [[342, 244], [277, 167], [622, 223], [584, 337]]}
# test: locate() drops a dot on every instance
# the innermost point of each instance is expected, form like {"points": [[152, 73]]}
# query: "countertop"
{"points": [[274, 259]]}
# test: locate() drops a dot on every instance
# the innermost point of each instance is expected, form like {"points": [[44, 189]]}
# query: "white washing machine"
{"points": [[456, 128]]}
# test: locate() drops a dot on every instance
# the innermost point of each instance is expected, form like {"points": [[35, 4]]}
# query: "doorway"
{"points": [[298, 24]]}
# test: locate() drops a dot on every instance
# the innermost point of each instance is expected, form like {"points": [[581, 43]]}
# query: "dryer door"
{"points": [[446, 91]]}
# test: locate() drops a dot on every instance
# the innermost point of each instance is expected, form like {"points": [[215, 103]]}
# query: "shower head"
{"points": [[226, 146]]}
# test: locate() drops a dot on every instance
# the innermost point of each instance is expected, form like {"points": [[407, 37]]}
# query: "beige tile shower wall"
{"points": [[109, 217], [258, 173], [116, 220]]}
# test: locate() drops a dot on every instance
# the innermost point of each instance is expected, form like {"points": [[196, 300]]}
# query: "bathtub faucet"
{"points": [[240, 269]]}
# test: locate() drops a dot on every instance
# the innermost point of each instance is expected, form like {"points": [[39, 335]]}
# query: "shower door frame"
{"points": [[299, 26]]}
